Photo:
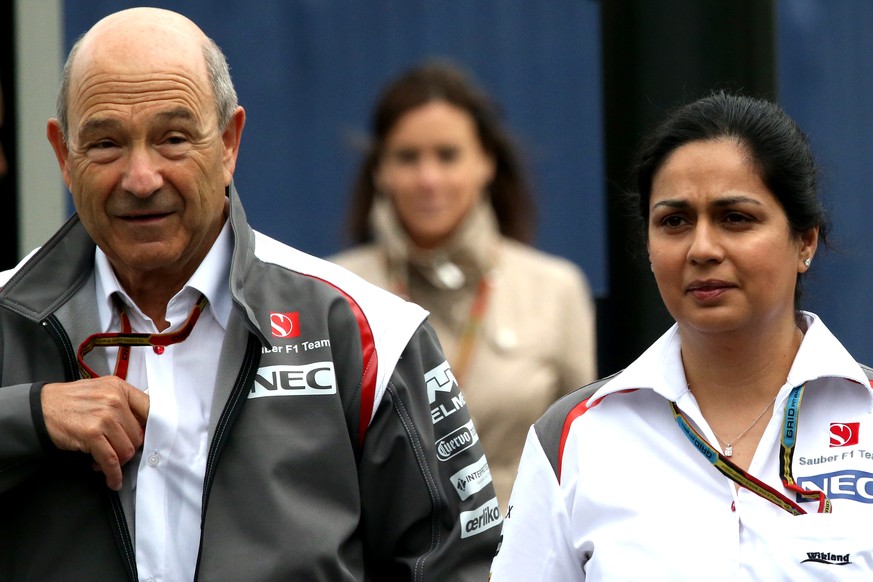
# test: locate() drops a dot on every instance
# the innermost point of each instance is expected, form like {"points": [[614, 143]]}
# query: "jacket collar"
{"points": [[659, 368], [52, 274], [59, 269]]}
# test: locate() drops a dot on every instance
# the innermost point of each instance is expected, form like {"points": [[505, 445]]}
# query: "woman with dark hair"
{"points": [[737, 447], [442, 215]]}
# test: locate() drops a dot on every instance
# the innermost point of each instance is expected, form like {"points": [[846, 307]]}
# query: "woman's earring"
{"points": [[807, 262]]}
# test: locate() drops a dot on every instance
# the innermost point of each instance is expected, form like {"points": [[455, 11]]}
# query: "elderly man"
{"points": [[184, 398]]}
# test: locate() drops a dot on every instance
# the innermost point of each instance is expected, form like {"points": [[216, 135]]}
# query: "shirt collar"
{"points": [[659, 368], [210, 279], [821, 355]]}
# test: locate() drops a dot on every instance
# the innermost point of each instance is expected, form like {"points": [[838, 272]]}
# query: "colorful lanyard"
{"points": [[126, 339], [786, 455], [467, 341]]}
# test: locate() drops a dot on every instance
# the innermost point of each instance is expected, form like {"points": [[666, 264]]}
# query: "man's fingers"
{"points": [[123, 435], [107, 461], [139, 404], [104, 417]]}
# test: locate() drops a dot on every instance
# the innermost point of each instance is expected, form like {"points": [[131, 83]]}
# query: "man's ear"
{"points": [[231, 138], [59, 145]]}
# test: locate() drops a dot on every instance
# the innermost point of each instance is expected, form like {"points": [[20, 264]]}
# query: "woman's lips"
{"points": [[707, 290]]}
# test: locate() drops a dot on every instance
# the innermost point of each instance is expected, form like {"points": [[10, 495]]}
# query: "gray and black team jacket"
{"points": [[340, 446]]}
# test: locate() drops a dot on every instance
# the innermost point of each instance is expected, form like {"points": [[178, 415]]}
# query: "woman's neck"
{"points": [[734, 380], [729, 369]]}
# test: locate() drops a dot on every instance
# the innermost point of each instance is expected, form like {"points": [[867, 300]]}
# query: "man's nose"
{"points": [[142, 176]]}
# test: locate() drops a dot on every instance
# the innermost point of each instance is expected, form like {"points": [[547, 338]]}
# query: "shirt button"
{"points": [[154, 460], [159, 350]]}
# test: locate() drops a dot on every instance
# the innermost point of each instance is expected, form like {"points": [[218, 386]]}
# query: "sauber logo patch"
{"points": [[285, 324], [304, 380], [844, 434]]}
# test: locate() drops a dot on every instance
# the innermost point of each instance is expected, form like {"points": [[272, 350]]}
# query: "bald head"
{"points": [[145, 41], [145, 21]]}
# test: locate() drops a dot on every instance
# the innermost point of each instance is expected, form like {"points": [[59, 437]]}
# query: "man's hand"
{"points": [[104, 417]]}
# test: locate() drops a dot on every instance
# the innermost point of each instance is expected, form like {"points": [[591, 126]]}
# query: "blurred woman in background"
{"points": [[442, 215]]}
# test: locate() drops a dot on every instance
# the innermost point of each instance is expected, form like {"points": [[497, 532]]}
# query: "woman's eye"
{"points": [[405, 156], [448, 154], [672, 221], [736, 218]]}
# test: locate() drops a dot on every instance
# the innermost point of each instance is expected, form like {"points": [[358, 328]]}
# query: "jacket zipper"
{"points": [[117, 519], [231, 411]]}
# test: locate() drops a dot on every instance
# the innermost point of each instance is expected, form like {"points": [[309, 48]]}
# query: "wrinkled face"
{"points": [[434, 169], [145, 160], [719, 241]]}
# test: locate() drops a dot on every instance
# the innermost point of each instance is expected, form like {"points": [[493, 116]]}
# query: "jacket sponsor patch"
{"points": [[480, 519], [285, 325], [306, 379], [472, 478], [457, 441], [440, 379], [844, 434]]}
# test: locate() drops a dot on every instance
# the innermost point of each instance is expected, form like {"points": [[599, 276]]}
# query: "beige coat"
{"points": [[536, 340]]}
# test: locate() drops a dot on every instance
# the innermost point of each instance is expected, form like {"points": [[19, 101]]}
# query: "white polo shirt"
{"points": [[167, 479], [637, 501]]}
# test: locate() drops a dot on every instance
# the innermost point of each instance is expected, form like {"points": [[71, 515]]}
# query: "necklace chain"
{"points": [[729, 448]]}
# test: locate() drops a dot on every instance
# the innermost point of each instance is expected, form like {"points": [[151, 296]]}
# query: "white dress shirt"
{"points": [[166, 480], [635, 500]]}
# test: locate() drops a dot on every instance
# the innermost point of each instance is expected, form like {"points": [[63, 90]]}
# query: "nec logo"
{"points": [[854, 485], [285, 324], [305, 380], [844, 434]]}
